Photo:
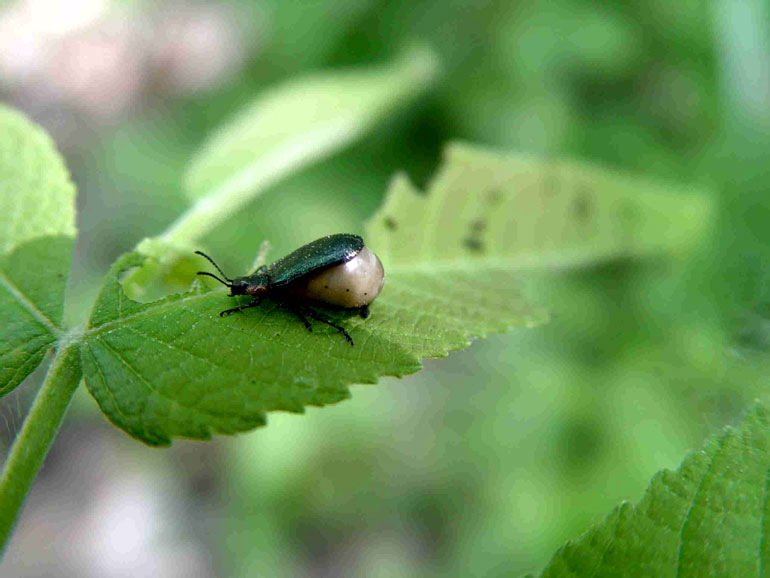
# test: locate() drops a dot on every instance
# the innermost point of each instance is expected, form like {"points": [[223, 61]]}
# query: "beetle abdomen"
{"points": [[352, 284]]}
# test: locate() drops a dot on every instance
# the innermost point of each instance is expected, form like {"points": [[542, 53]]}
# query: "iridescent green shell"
{"points": [[320, 254]]}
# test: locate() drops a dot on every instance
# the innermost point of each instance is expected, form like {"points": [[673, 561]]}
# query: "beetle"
{"points": [[336, 270]]}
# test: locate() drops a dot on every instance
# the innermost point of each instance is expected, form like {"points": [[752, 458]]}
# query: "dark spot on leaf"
{"points": [[494, 197], [474, 244], [390, 223], [478, 226], [582, 207], [59, 276]]}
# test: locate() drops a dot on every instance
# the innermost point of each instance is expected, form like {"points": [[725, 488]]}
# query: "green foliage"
{"points": [[705, 519], [32, 280], [279, 132], [36, 195], [453, 261], [36, 239], [494, 210], [486, 463]]}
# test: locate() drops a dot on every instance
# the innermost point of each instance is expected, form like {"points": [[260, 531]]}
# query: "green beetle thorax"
{"points": [[255, 284]]}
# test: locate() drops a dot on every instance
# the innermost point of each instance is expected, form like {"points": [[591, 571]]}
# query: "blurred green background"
{"points": [[486, 462]]}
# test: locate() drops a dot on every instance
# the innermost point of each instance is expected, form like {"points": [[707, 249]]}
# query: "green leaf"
{"points": [[36, 239], [709, 518], [30, 305], [291, 126], [303, 120], [36, 194], [453, 261], [513, 211]]}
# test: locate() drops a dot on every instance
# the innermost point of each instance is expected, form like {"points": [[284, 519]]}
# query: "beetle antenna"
{"points": [[210, 260], [215, 277]]}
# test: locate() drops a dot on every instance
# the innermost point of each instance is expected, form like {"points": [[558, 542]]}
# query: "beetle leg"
{"points": [[293, 309], [299, 314], [319, 317], [364, 312], [257, 301]]}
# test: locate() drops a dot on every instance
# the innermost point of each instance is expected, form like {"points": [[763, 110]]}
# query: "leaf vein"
{"points": [[148, 385], [181, 350], [27, 304], [691, 507], [610, 541], [104, 382], [146, 312]]}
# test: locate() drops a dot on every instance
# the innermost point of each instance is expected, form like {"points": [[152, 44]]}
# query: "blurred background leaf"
{"points": [[707, 518], [491, 459], [301, 121], [37, 196], [37, 229], [489, 209]]}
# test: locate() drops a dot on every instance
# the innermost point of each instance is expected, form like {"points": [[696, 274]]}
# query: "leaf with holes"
{"points": [[453, 262], [706, 519], [495, 211], [36, 238]]}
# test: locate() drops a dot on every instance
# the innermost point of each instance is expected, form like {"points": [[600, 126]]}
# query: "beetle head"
{"points": [[247, 286], [255, 284], [238, 286]]}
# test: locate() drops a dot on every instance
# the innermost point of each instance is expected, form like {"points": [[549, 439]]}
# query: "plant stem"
{"points": [[230, 196], [37, 434]]}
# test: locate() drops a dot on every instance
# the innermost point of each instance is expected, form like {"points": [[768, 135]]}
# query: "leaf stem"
{"points": [[230, 197], [37, 434]]}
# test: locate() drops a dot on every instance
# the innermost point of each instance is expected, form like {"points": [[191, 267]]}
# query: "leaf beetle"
{"points": [[336, 270]]}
